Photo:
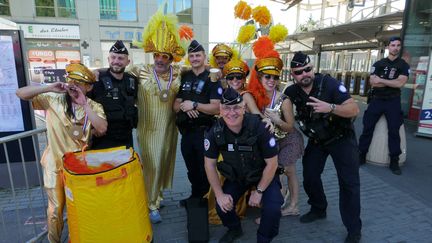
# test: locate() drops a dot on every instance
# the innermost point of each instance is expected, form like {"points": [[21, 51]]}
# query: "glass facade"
{"points": [[4, 7], [125, 10], [417, 49], [55, 8], [182, 8]]}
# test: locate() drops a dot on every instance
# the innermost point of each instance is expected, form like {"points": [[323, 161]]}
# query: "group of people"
{"points": [[244, 131]]}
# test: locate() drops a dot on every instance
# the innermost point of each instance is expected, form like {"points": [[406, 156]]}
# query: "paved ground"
{"points": [[394, 208]]}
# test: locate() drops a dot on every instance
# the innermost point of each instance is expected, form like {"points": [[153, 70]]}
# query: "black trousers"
{"points": [[272, 201], [192, 148], [344, 153], [391, 108], [110, 141]]}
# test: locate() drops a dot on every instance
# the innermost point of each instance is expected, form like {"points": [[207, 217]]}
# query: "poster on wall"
{"points": [[425, 120], [40, 60], [11, 119]]}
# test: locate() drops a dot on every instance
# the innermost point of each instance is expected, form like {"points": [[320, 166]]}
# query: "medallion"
{"points": [[163, 95], [76, 132]]}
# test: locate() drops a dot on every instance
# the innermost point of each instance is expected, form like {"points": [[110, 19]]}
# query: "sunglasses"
{"points": [[232, 77], [268, 76], [299, 72], [164, 56]]}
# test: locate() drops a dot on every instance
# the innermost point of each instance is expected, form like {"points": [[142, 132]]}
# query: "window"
{"points": [[4, 7], [182, 8], [118, 9], [55, 8]]}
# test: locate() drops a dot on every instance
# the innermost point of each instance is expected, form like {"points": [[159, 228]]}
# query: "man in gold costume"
{"points": [[70, 118], [157, 89], [221, 55]]}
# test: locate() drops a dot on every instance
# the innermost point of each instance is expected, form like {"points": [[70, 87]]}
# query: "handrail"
{"points": [[22, 135]]}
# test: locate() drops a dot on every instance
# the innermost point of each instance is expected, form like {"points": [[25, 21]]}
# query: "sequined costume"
{"points": [[59, 141], [156, 131]]}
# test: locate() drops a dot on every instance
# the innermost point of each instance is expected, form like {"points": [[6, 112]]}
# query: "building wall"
{"points": [[99, 34]]}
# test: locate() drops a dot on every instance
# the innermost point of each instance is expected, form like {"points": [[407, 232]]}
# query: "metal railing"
{"points": [[23, 205]]}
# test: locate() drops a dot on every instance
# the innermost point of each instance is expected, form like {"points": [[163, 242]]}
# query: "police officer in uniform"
{"points": [[388, 75], [197, 102], [249, 154], [117, 92], [324, 111]]}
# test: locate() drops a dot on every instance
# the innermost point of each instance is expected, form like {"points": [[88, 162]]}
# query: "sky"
{"points": [[223, 27]]}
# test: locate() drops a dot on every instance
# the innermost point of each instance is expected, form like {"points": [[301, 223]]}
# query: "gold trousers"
{"points": [[56, 202]]}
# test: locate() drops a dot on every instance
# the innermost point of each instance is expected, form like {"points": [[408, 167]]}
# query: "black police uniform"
{"points": [[200, 89], [118, 100], [385, 100], [243, 164], [329, 135]]}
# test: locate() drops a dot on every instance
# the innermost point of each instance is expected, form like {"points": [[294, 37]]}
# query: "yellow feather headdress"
{"points": [[162, 35]]}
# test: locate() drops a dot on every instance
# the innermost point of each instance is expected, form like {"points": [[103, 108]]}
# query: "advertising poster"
{"points": [[40, 60], [64, 58], [11, 119], [425, 121]]}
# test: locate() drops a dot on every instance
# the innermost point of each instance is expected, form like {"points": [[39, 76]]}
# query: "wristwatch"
{"points": [[259, 190], [195, 105], [332, 107]]}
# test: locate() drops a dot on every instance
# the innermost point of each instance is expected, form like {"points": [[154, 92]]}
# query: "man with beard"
{"points": [[158, 86], [388, 75], [324, 111], [117, 92], [196, 104]]}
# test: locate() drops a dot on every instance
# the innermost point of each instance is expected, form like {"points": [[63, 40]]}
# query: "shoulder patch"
{"points": [[206, 144], [342, 88], [220, 91], [372, 69], [272, 142]]}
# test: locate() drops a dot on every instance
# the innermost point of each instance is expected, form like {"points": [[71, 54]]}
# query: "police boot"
{"points": [[362, 158], [394, 165]]}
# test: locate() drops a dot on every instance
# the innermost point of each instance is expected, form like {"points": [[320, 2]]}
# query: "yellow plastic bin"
{"points": [[111, 205]]}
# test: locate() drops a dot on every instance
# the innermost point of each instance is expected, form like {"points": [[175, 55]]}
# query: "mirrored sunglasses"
{"points": [[164, 56]]}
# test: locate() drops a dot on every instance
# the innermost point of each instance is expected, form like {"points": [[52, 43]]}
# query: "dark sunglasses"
{"points": [[306, 70], [231, 77], [268, 76]]}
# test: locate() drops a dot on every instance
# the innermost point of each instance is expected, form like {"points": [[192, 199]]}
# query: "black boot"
{"points": [[362, 158], [394, 165]]}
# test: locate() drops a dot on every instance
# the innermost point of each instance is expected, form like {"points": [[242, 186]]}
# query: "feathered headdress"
{"points": [[161, 35], [267, 62]]}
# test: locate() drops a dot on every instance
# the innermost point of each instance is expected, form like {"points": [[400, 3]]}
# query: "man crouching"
{"points": [[249, 152]]}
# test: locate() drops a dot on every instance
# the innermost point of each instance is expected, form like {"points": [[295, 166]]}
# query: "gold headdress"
{"points": [[236, 66], [80, 73], [161, 35], [222, 50]]}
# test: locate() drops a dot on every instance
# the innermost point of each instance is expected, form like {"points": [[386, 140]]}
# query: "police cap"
{"points": [[231, 97], [119, 48], [195, 47], [299, 60]]}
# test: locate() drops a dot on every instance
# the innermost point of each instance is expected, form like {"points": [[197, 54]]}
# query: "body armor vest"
{"points": [[242, 161], [194, 91], [119, 100], [321, 128]]}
